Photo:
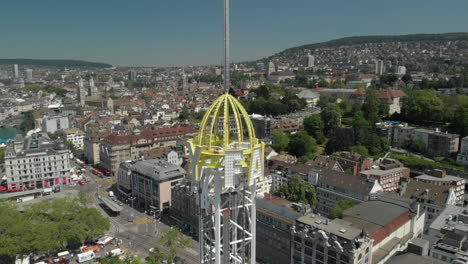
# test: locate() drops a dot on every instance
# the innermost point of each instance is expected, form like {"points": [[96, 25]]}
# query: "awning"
{"points": [[46, 182], [57, 181], [64, 179]]}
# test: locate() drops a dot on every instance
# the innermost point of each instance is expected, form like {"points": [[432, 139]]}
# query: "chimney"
{"points": [[439, 173]]}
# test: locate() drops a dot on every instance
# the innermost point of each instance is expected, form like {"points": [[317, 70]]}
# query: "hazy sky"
{"points": [[189, 32]]}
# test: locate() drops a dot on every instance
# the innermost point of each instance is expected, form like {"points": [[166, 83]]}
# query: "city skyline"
{"points": [[151, 33]]}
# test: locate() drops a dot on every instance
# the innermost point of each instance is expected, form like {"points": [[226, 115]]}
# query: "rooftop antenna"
{"points": [[227, 80]]}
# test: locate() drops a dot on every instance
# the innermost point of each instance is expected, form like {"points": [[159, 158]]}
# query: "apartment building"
{"points": [[38, 163], [75, 136], [332, 186], [116, 149], [388, 176], [440, 177]]}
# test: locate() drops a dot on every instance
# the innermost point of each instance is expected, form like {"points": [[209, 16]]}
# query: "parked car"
{"points": [[103, 241], [116, 252]]}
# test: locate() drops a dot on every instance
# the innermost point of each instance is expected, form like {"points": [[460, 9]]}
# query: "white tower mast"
{"points": [[227, 160]]}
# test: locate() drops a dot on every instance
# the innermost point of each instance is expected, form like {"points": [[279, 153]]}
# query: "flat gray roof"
{"points": [[432, 178], [450, 210], [380, 172], [376, 212], [333, 226]]}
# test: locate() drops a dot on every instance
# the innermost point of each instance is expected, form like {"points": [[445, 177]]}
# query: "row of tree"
{"points": [[48, 226], [425, 107]]}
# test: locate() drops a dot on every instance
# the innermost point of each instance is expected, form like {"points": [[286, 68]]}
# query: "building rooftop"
{"points": [[405, 258], [346, 181], [451, 218], [158, 169], [279, 207], [379, 172], [429, 192], [338, 227], [448, 178]]}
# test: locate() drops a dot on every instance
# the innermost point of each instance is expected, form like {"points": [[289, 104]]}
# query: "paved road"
{"points": [[138, 238]]}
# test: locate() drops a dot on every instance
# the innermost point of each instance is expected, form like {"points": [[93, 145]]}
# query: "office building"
{"points": [[37, 163], [15, 71], [310, 60], [132, 75], [462, 157], [275, 218], [29, 75], [319, 240], [52, 124], [448, 235], [379, 67], [150, 183]]}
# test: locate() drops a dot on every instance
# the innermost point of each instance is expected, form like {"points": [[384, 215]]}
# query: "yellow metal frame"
{"points": [[213, 146]]}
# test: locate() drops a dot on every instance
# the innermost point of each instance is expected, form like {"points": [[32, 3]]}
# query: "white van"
{"points": [[87, 256], [116, 252], [63, 254]]}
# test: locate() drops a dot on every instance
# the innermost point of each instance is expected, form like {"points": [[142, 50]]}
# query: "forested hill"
{"points": [[55, 63], [357, 40]]}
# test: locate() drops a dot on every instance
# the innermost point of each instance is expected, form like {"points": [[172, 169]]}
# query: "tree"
{"points": [[371, 108], [262, 91], [301, 78], [325, 99], [361, 150], [28, 122], [280, 140], [341, 140], [407, 78], [301, 144], [344, 106], [331, 117], [184, 114], [422, 106], [388, 79], [314, 126], [299, 191], [340, 206], [360, 128], [418, 145], [293, 102], [129, 259], [173, 240]]}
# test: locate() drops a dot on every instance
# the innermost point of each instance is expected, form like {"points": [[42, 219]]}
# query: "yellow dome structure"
{"points": [[226, 127]]}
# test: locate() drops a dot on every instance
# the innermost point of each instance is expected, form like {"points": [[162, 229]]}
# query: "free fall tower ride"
{"points": [[227, 159]]}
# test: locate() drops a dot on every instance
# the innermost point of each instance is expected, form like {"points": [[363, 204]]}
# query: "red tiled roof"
{"points": [[381, 233], [150, 135]]}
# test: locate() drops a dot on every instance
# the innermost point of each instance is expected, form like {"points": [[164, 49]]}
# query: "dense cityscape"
{"points": [[353, 150]]}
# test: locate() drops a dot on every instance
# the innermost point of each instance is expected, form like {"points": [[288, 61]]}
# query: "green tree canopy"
{"points": [[299, 191], [360, 128], [47, 226], [173, 240], [301, 144], [362, 150], [371, 108], [331, 117], [341, 140], [340, 206], [422, 105], [280, 140], [314, 126]]}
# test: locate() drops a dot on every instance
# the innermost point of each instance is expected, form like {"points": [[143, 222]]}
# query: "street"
{"points": [[137, 236]]}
